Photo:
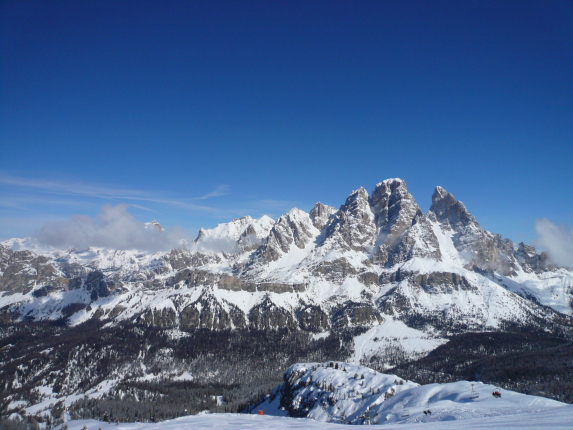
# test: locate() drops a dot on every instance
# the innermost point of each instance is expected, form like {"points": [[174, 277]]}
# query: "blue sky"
{"points": [[194, 113]]}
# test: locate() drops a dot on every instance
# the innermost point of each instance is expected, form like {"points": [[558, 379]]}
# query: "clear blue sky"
{"points": [[196, 112]]}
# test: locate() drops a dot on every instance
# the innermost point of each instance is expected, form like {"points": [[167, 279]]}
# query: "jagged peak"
{"points": [[359, 194], [320, 207], [447, 208], [440, 194], [394, 207], [392, 185], [295, 214], [320, 214]]}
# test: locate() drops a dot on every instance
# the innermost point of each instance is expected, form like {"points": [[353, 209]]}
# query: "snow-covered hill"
{"points": [[332, 394], [351, 394]]}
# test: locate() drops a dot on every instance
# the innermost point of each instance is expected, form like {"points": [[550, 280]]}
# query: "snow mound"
{"points": [[345, 393]]}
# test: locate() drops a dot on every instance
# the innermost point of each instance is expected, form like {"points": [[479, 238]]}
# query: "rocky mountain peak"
{"points": [[320, 214], [394, 208], [447, 208], [353, 225], [294, 227], [154, 225]]}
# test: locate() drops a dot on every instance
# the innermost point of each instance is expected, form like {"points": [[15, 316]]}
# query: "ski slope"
{"points": [[559, 418]]}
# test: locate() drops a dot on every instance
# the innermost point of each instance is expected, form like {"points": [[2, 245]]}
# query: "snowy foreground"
{"points": [[554, 418], [334, 391]]}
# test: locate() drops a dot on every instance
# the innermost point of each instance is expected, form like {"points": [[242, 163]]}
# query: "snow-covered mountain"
{"points": [[375, 281], [377, 258]]}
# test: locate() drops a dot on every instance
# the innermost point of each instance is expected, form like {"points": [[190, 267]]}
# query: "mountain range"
{"points": [[377, 273]]}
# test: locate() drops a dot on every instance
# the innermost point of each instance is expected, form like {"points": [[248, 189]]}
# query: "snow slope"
{"points": [[558, 418], [351, 394]]}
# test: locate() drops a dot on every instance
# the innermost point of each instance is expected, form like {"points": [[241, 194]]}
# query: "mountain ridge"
{"points": [[378, 249]]}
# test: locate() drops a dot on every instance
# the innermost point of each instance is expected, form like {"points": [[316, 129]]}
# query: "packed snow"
{"points": [[559, 418]]}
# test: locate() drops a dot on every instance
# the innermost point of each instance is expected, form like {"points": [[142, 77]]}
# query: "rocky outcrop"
{"points": [[352, 227], [320, 214], [441, 283], [99, 286], [418, 241], [312, 318], [335, 270], [450, 211], [295, 228], [181, 258], [163, 318], [208, 313], [22, 271], [355, 316], [480, 248], [268, 316], [530, 260], [189, 278], [394, 208]]}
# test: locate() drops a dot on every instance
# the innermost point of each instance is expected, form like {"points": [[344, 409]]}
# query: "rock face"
{"points": [[352, 227], [450, 211], [394, 208], [295, 228], [320, 215], [342, 271], [22, 271], [351, 315], [482, 249]]}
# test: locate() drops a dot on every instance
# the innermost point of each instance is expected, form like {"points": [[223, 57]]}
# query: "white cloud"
{"points": [[556, 240], [114, 227]]}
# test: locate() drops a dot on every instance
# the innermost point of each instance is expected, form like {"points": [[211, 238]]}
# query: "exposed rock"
{"points": [[335, 270], [293, 228], [442, 282], [394, 208], [320, 214], [529, 259], [98, 285], [180, 258], [480, 248], [164, 317], [196, 278], [352, 227], [23, 270], [312, 318], [354, 315], [268, 316], [418, 241], [446, 207]]}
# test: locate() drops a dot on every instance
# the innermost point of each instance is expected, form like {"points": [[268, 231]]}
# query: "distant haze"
{"points": [[114, 227]]}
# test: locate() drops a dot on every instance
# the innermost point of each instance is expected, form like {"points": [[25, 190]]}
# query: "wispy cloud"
{"points": [[557, 240], [73, 188], [221, 190]]}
